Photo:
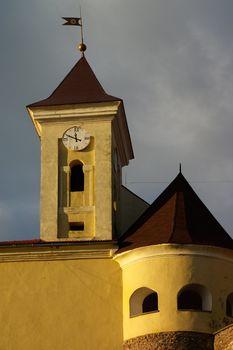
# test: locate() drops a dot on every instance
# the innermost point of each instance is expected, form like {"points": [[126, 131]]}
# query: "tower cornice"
{"points": [[104, 110]]}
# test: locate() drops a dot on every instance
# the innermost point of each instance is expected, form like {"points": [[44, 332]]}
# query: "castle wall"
{"points": [[62, 304]]}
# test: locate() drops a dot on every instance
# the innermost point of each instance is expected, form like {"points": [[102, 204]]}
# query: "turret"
{"points": [[177, 266]]}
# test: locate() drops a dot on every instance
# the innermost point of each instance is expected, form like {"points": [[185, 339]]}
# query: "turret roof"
{"points": [[79, 86], [176, 216]]}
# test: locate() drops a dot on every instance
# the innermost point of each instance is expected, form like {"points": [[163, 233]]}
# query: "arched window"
{"points": [[143, 300], [194, 297], [229, 305], [77, 178]]}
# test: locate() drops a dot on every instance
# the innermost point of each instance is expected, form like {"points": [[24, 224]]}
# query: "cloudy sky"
{"points": [[172, 63]]}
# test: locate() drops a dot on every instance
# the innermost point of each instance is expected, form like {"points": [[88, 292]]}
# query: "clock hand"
{"points": [[75, 138], [71, 136]]}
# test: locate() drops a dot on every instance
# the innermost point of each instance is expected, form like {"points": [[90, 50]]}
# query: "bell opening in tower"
{"points": [[77, 178]]}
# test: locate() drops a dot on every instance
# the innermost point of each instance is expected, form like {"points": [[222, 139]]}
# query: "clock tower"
{"points": [[85, 142]]}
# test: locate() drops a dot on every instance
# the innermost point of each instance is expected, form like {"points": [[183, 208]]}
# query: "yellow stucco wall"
{"points": [[64, 304], [102, 190], [84, 303], [166, 269]]}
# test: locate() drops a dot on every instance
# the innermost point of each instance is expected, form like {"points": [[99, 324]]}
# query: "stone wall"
{"points": [[224, 339], [172, 341]]}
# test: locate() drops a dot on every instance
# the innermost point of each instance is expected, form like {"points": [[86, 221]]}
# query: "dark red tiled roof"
{"points": [[79, 86], [176, 216], [21, 242]]}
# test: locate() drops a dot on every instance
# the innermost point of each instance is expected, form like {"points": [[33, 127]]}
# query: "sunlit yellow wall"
{"points": [[101, 189], [70, 304], [166, 269]]}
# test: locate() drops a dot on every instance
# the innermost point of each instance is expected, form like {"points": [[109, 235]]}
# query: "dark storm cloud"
{"points": [[170, 60]]}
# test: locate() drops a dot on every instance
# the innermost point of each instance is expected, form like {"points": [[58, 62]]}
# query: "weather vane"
{"points": [[76, 21]]}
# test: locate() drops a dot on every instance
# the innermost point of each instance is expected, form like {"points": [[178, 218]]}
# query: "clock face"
{"points": [[76, 138]]}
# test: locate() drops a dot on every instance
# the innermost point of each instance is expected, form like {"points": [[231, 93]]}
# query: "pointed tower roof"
{"points": [[176, 216], [79, 86]]}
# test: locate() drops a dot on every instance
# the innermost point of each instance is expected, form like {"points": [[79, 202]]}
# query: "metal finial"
{"points": [[180, 168], [82, 48]]}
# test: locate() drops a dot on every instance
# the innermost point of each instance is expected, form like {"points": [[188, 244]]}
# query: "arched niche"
{"points": [[194, 297], [143, 300]]}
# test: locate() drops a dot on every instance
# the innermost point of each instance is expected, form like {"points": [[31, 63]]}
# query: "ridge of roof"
{"points": [[177, 216], [179, 231], [79, 86]]}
